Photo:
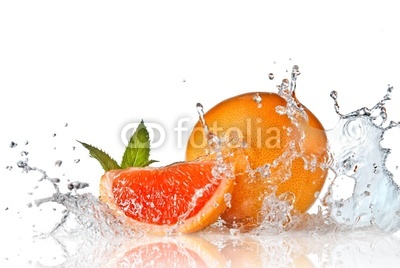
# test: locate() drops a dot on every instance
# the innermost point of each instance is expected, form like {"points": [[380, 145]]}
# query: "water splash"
{"points": [[84, 214], [357, 154]]}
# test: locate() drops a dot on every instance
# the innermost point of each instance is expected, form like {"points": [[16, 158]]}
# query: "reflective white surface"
{"points": [[213, 249]]}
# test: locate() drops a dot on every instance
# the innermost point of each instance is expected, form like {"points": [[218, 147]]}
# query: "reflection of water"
{"points": [[299, 249], [213, 248]]}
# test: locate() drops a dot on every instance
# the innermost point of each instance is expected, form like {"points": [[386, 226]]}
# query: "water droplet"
{"points": [[77, 161], [234, 231], [347, 164], [280, 110], [295, 70], [77, 185], [376, 168], [316, 194], [6, 208], [365, 193], [26, 142], [387, 97], [334, 96], [54, 180], [13, 144], [22, 164], [265, 171], [9, 167], [284, 86], [227, 199], [66, 125], [200, 111], [73, 148], [338, 213], [257, 98], [199, 107], [24, 153], [58, 163], [54, 134], [29, 205], [271, 76], [184, 80]]}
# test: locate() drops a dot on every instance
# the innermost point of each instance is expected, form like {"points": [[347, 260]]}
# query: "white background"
{"points": [[100, 65]]}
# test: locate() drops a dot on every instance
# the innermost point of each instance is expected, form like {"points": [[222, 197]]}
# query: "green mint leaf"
{"points": [[137, 152], [104, 159]]}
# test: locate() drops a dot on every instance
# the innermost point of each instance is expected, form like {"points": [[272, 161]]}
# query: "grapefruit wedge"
{"points": [[182, 197]]}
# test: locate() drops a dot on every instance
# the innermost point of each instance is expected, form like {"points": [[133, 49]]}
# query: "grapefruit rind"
{"points": [[247, 197], [207, 215]]}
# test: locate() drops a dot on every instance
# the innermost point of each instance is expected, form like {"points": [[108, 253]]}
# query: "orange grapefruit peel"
{"points": [[253, 119]]}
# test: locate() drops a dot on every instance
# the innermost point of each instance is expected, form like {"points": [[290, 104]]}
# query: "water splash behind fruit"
{"points": [[359, 158]]}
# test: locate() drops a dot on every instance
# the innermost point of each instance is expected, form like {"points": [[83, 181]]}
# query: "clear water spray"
{"points": [[357, 154]]}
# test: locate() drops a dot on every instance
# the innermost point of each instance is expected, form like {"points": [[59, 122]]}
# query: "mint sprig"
{"points": [[137, 152]]}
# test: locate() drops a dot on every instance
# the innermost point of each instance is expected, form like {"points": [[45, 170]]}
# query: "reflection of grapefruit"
{"points": [[252, 119], [251, 252], [247, 253], [183, 251], [183, 197], [242, 250]]}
